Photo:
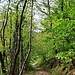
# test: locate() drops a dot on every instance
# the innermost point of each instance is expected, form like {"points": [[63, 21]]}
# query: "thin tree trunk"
{"points": [[62, 5], [2, 64], [30, 41], [19, 39], [48, 6], [21, 59], [3, 39], [16, 40], [10, 47], [49, 13]]}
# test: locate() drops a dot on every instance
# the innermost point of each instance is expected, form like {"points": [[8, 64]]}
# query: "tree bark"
{"points": [[3, 39], [2, 64], [30, 41], [19, 39]]}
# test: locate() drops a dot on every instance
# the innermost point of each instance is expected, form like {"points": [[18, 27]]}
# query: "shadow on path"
{"points": [[40, 71]]}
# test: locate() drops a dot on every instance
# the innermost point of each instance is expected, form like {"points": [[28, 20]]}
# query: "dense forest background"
{"points": [[37, 35]]}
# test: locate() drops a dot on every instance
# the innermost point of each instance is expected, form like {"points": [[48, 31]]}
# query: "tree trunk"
{"points": [[19, 39], [3, 39], [30, 41], [2, 64]]}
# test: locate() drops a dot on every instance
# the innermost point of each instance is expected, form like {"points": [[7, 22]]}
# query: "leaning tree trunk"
{"points": [[19, 40], [3, 40], [2, 64], [16, 40], [10, 43], [30, 41]]}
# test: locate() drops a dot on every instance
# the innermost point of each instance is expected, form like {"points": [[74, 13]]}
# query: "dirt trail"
{"points": [[42, 72], [39, 72]]}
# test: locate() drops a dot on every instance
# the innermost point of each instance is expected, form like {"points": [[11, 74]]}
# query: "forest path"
{"points": [[42, 72], [39, 71]]}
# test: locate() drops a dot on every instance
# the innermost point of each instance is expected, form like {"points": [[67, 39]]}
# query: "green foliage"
{"points": [[55, 40], [55, 71], [61, 36]]}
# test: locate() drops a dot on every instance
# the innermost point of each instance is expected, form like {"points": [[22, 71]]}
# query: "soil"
{"points": [[39, 71], [42, 72]]}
